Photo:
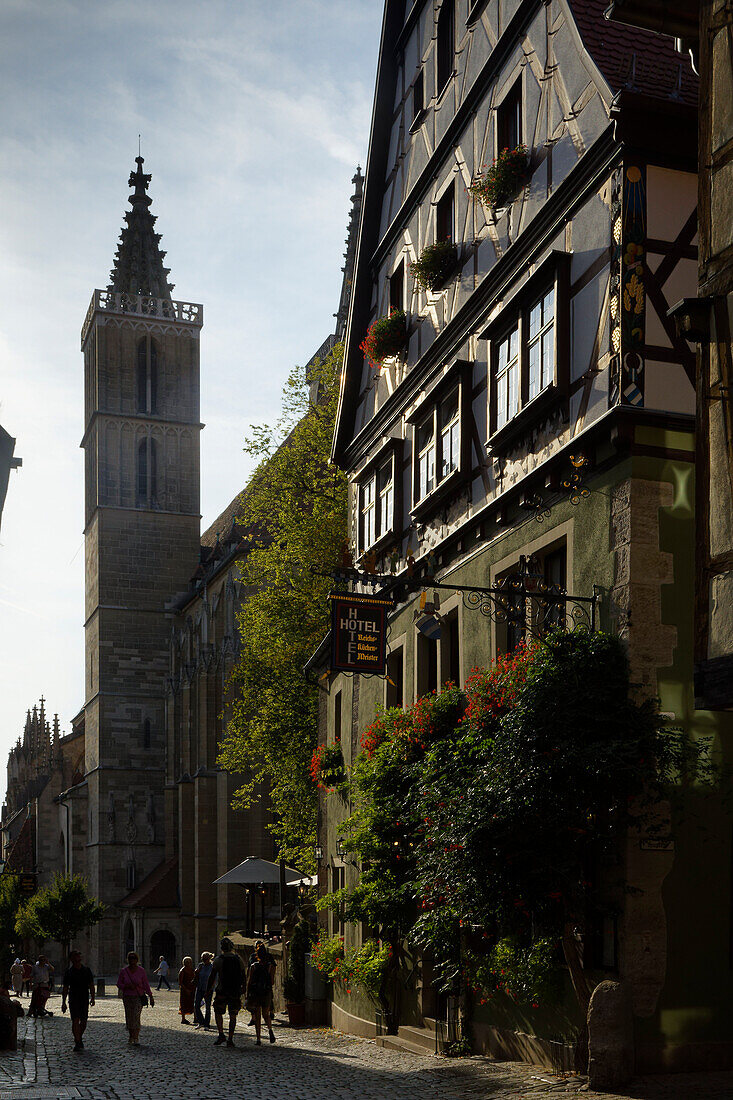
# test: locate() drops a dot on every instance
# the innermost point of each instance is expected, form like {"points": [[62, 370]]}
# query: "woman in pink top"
{"points": [[133, 985]]}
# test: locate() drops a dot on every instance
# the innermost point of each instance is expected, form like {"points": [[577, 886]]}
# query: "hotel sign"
{"points": [[359, 633]]}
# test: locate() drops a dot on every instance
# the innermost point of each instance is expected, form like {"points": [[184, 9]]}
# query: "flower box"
{"points": [[385, 337], [434, 265], [497, 184]]}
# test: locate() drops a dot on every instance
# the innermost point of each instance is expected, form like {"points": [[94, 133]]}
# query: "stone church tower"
{"points": [[142, 518]]}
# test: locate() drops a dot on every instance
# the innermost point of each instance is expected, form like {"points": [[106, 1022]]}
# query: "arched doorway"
{"points": [[162, 943], [129, 941]]}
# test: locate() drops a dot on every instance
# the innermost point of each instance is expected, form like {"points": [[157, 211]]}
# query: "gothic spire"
{"points": [[138, 266]]}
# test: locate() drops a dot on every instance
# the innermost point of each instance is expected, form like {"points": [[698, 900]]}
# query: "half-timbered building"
{"points": [[541, 409]]}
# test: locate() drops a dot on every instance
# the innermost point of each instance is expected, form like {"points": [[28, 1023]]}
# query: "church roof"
{"points": [[138, 266], [158, 890]]}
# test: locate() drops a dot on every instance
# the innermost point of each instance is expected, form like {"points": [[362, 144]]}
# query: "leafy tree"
{"points": [[296, 507], [59, 911], [10, 900]]}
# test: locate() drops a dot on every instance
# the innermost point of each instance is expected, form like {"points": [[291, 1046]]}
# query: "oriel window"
{"points": [[541, 343], [450, 434], [369, 511], [426, 457], [507, 378], [385, 488]]}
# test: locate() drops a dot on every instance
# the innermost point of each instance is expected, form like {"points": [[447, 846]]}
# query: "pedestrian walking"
{"points": [[202, 995], [16, 976], [27, 972], [78, 987], [41, 982], [227, 971], [259, 991], [186, 989], [162, 973], [132, 982]]}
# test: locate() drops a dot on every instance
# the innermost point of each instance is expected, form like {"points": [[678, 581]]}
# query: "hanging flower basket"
{"points": [[328, 770], [385, 337], [434, 265], [498, 183]]}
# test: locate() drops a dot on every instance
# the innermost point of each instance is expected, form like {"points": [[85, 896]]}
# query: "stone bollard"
{"points": [[100, 987], [610, 1037]]}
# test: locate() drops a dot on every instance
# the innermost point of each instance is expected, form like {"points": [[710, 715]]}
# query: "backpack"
{"points": [[259, 979]]}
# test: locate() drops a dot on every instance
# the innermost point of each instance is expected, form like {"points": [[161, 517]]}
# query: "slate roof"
{"points": [[158, 890], [632, 58]]}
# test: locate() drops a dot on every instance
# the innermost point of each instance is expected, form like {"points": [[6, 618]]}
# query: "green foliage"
{"points": [[484, 820], [501, 180], [366, 967], [434, 265], [59, 911], [300, 942], [295, 505], [10, 902], [327, 956], [529, 975]]}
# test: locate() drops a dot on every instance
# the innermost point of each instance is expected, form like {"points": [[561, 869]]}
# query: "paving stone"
{"points": [[175, 1063]]}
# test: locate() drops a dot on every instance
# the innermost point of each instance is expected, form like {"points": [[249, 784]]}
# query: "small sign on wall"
{"points": [[359, 633]]}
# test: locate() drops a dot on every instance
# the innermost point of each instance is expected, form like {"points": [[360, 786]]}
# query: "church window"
{"points": [[131, 875], [147, 375], [146, 733], [147, 473]]}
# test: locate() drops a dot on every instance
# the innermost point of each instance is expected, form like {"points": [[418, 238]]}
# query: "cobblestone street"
{"points": [[174, 1061]]}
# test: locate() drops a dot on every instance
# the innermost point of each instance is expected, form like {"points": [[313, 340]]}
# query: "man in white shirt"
{"points": [[41, 982], [162, 973]]}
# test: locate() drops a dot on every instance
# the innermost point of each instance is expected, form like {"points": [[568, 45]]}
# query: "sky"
{"points": [[253, 115]]}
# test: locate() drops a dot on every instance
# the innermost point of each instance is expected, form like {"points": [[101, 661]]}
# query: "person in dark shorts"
{"points": [[78, 987], [228, 973], [259, 990]]}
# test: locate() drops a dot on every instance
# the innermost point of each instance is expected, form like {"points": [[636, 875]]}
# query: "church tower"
{"points": [[142, 518]]}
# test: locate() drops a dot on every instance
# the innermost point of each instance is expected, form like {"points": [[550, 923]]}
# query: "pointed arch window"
{"points": [[147, 473], [147, 375]]}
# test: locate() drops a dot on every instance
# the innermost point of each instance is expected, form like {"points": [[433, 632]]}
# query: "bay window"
{"points": [[378, 496], [441, 437], [528, 351]]}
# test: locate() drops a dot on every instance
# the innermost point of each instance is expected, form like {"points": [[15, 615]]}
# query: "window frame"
{"points": [[418, 110], [445, 51], [447, 201], [391, 452], [512, 100], [458, 378], [553, 274]]}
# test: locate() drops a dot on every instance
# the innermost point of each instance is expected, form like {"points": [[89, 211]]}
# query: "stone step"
{"points": [[422, 1036], [396, 1042]]}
